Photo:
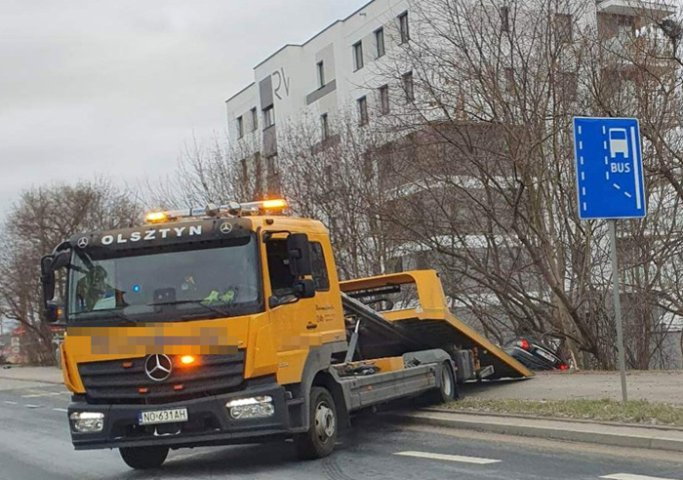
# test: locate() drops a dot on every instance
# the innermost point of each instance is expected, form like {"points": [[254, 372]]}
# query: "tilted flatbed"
{"points": [[428, 322]]}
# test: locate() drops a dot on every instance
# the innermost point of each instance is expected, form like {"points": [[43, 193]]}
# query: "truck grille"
{"points": [[124, 381]]}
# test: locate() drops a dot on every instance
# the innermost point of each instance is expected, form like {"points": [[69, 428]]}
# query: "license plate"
{"points": [[156, 417], [544, 355]]}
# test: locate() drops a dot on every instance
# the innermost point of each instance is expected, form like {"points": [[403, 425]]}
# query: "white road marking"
{"points": [[604, 130], [606, 161], [580, 144], [30, 405], [585, 206], [582, 159], [9, 402], [604, 144], [583, 190], [627, 194], [607, 175], [449, 458], [45, 394], [616, 185], [628, 476], [64, 410], [583, 175], [636, 170], [579, 129]]}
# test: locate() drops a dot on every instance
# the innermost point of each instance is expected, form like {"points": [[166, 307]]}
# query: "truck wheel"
{"points": [[144, 458], [321, 436], [447, 391]]}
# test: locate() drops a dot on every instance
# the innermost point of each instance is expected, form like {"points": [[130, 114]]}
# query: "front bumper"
{"points": [[209, 423]]}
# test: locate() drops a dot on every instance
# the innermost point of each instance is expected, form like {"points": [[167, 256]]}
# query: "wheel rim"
{"points": [[446, 382], [325, 423]]}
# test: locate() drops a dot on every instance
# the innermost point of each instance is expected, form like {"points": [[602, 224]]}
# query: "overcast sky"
{"points": [[114, 88]]}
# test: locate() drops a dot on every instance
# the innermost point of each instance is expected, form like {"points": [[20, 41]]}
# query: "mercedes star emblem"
{"points": [[82, 242], [226, 228], [158, 367]]}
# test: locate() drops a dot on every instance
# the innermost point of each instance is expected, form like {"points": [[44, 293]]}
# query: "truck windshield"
{"points": [[168, 285]]}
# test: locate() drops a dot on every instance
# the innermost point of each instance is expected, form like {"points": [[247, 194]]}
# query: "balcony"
{"points": [[647, 9]]}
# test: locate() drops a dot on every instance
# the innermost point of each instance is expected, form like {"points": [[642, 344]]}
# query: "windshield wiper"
{"points": [[99, 314], [189, 302]]}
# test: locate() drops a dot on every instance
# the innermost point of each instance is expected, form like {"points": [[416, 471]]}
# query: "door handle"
{"points": [[311, 326]]}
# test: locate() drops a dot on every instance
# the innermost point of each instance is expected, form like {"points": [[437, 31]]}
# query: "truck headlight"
{"points": [[87, 422], [252, 407]]}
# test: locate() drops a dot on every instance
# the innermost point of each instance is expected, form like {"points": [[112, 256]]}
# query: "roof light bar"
{"points": [[235, 209]]}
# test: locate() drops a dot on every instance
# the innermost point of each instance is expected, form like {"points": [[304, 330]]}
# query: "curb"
{"points": [[522, 416], [34, 380], [565, 431]]}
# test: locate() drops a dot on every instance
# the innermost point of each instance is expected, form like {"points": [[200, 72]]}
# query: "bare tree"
{"points": [[41, 219], [483, 178]]}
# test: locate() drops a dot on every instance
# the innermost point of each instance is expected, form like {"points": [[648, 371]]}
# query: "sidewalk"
{"points": [[657, 438], [32, 374], [663, 386]]}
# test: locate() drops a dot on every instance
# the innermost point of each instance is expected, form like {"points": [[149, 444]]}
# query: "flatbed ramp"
{"points": [[415, 316]]}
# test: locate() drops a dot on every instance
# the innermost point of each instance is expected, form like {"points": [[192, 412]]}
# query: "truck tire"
{"points": [[144, 458], [447, 390], [321, 436]]}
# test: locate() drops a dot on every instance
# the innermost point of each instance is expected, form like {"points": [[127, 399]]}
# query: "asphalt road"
{"points": [[34, 444]]}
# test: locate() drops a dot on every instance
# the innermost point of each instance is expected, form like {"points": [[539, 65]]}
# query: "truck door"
{"points": [[308, 322], [291, 318]]}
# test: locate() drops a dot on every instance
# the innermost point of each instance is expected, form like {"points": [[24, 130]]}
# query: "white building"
{"points": [[338, 70], [319, 78]]}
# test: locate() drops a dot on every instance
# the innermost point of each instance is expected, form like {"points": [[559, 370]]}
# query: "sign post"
{"points": [[610, 186], [617, 307]]}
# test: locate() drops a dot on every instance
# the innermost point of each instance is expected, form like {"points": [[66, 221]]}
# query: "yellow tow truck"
{"points": [[228, 324]]}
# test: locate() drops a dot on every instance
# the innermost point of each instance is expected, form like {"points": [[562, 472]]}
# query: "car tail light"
{"points": [[524, 344], [563, 366]]}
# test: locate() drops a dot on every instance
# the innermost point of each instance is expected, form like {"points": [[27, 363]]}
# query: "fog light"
{"points": [[252, 407], [87, 422]]}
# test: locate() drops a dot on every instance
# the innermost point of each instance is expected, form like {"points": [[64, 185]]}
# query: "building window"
{"points": [[379, 42], [325, 126], [563, 27], [505, 19], [509, 80], [320, 68], [245, 169], [363, 111], [268, 117], [240, 127], [358, 56], [272, 186], [568, 83], [254, 119], [409, 86], [384, 99], [404, 27]]}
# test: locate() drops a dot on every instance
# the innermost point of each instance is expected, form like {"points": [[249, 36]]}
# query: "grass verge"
{"points": [[636, 411]]}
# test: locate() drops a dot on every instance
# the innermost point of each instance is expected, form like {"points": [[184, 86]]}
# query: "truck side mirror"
{"points": [[304, 288], [48, 265], [53, 312], [47, 278], [299, 255]]}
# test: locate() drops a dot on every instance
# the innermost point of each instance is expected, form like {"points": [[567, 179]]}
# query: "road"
{"points": [[34, 444]]}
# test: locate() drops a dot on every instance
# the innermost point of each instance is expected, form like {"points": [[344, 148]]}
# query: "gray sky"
{"points": [[114, 88]]}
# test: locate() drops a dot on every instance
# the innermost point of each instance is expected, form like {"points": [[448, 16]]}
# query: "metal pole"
{"points": [[617, 307]]}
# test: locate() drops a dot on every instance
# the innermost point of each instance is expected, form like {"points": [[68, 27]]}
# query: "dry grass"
{"points": [[637, 411]]}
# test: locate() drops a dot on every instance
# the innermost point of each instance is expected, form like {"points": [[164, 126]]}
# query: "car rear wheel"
{"points": [[144, 458]]}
